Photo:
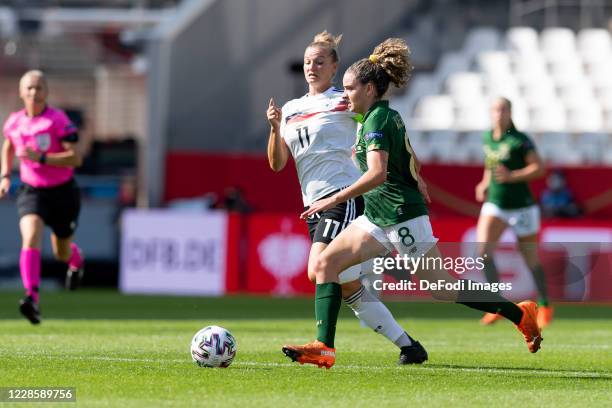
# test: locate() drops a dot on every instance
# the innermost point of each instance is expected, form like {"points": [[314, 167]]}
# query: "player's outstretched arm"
{"points": [[372, 178]]}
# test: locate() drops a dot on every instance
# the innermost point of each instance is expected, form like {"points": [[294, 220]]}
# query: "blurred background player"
{"points": [[44, 140], [395, 217], [511, 161], [318, 131]]}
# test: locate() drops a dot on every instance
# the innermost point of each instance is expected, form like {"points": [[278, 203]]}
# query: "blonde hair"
{"points": [[35, 73], [329, 41], [389, 62]]}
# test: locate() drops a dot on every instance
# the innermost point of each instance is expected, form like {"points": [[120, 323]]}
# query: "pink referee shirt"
{"points": [[43, 134]]}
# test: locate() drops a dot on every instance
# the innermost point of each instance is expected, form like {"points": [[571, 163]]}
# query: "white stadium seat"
{"points": [[523, 40], [548, 118], [494, 63], [443, 143], [585, 118], [557, 82], [539, 94], [592, 146], [557, 148], [578, 94], [567, 72], [594, 44], [558, 44], [474, 116], [450, 63], [465, 86], [435, 112], [479, 40]]}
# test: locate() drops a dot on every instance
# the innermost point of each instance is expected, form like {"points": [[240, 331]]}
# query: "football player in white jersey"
{"points": [[318, 131]]}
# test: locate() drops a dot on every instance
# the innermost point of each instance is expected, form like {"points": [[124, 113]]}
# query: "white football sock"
{"points": [[374, 314]]}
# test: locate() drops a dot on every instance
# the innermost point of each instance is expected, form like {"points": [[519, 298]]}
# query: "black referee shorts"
{"points": [[58, 206], [326, 225]]}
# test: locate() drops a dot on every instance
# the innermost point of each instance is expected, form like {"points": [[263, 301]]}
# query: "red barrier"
{"points": [[191, 174], [277, 257]]}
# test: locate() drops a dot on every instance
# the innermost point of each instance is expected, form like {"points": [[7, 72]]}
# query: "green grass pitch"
{"points": [[133, 351]]}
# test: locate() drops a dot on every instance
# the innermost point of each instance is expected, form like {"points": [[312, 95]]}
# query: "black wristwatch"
{"points": [[43, 158]]}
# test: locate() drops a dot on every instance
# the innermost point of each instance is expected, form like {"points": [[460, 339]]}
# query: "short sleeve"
{"points": [[283, 120], [527, 146], [376, 134], [64, 128]]}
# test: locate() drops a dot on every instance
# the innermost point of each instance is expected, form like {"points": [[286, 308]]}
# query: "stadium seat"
{"points": [[494, 63], [594, 44], [474, 116], [479, 40], [548, 118], [442, 143], [449, 63], [471, 143], [558, 44], [557, 148], [522, 40], [578, 94], [567, 72], [508, 89], [608, 120], [435, 112], [419, 86], [420, 145], [599, 73], [464, 87], [585, 118], [592, 146], [539, 94]]}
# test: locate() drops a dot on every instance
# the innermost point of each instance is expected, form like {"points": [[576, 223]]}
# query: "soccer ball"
{"points": [[213, 346]]}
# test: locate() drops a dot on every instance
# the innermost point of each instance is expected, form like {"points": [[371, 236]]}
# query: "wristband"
{"points": [[8, 176], [43, 158]]}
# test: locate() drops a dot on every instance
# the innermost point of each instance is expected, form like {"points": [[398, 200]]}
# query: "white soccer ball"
{"points": [[213, 346]]}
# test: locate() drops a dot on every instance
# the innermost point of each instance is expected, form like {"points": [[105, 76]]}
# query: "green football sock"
{"points": [[328, 297], [540, 281]]}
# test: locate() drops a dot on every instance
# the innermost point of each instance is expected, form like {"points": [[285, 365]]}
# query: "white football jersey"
{"points": [[320, 132]]}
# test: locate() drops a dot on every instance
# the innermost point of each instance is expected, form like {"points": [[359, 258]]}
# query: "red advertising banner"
{"points": [[577, 264], [277, 255]]}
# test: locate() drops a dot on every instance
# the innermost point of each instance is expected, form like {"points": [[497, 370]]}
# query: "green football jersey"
{"points": [[398, 199], [510, 150]]}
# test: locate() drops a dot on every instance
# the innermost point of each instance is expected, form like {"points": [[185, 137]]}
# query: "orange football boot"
{"points": [[545, 316], [529, 325], [312, 353], [490, 318]]}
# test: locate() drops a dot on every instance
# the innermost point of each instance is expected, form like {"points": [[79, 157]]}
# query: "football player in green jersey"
{"points": [[395, 217], [511, 161]]}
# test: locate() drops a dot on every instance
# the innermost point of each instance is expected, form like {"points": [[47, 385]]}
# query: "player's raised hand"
{"points": [[274, 114]]}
